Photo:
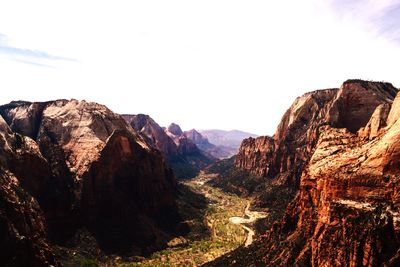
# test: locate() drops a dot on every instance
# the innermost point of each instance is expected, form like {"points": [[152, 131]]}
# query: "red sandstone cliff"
{"points": [[346, 212], [23, 227], [347, 209], [349, 107], [88, 168]]}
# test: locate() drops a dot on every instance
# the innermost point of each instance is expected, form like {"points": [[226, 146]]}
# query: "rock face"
{"points": [[198, 139], [174, 130], [88, 168], [23, 236], [182, 154], [346, 212], [193, 154], [377, 122], [22, 224], [347, 209], [349, 107], [255, 155], [156, 135]]}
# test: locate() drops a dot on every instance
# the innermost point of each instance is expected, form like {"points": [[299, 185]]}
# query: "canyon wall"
{"points": [[294, 141], [340, 148], [87, 167]]}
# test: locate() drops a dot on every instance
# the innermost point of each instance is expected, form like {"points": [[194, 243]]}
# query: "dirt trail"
{"points": [[250, 217]]}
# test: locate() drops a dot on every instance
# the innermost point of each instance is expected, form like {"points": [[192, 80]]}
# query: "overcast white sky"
{"points": [[202, 64]]}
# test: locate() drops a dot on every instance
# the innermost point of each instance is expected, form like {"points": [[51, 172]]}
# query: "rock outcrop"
{"points": [[347, 209], [181, 153], [174, 130], [376, 122], [255, 155], [197, 158], [22, 224], [349, 107], [154, 133], [88, 168], [23, 228], [346, 212]]}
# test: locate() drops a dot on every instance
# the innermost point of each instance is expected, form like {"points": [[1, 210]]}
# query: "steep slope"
{"points": [[23, 236], [197, 158], [349, 107], [183, 155], [22, 224], [346, 212], [155, 134], [200, 141], [102, 175]]}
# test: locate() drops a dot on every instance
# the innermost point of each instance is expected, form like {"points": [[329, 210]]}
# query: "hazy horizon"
{"points": [[204, 65]]}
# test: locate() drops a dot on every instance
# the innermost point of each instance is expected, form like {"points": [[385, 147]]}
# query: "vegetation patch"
{"points": [[207, 211]]}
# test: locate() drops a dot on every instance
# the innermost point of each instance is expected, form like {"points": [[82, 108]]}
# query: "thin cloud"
{"points": [[380, 17], [28, 56], [33, 63], [389, 23]]}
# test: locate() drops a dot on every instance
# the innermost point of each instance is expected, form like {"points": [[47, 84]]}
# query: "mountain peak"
{"points": [[175, 129]]}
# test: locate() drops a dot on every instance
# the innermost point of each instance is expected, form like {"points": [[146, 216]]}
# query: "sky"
{"points": [[202, 64]]}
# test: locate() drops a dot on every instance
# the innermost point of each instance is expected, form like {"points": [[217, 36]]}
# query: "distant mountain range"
{"points": [[218, 143], [187, 152], [180, 152], [231, 139]]}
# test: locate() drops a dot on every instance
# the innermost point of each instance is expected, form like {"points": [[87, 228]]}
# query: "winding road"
{"points": [[250, 217], [245, 221]]}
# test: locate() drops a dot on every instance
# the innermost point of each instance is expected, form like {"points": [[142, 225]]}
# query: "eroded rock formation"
{"points": [[346, 212], [349, 107], [22, 224], [156, 135], [347, 209], [181, 152], [88, 168]]}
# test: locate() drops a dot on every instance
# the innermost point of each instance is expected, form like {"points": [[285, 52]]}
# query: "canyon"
{"points": [[322, 191]]}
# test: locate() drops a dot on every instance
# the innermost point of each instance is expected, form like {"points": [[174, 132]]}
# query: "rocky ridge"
{"points": [[86, 167], [22, 224], [346, 211], [294, 141], [180, 151]]}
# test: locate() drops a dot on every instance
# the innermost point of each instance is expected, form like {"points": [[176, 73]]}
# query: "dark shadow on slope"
{"points": [[192, 207]]}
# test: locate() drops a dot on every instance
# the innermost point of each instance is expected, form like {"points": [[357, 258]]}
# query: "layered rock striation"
{"points": [[347, 208], [346, 211], [22, 224], [295, 139], [86, 167]]}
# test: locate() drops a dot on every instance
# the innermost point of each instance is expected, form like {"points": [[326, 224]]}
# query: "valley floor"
{"points": [[224, 224]]}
